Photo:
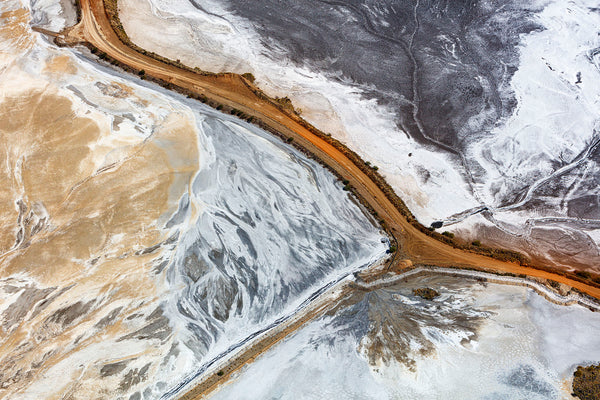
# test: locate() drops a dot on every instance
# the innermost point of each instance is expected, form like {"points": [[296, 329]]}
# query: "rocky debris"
{"points": [[426, 293], [586, 382]]}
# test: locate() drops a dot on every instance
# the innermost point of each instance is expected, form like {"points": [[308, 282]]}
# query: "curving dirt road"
{"points": [[232, 90]]}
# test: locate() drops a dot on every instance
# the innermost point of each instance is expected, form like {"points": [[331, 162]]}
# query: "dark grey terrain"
{"points": [[438, 62]]}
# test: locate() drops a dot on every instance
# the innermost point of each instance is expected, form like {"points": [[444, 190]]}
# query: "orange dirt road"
{"points": [[232, 90]]}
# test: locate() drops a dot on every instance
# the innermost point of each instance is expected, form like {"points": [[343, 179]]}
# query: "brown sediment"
{"points": [[75, 228], [71, 226], [14, 29], [394, 330], [61, 65]]}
